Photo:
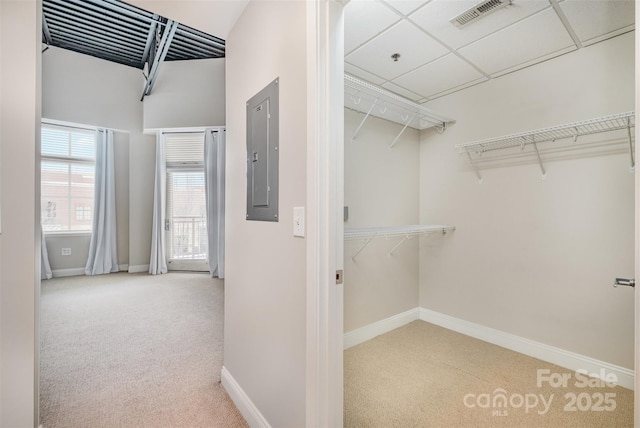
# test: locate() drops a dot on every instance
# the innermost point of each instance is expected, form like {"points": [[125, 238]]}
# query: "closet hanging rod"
{"points": [[367, 234], [570, 130], [375, 101]]}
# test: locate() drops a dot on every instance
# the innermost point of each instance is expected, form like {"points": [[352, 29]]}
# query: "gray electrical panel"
{"points": [[262, 154]]}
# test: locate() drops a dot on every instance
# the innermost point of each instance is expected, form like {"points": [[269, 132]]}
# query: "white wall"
{"points": [[532, 257], [381, 188], [86, 90], [187, 93], [20, 35], [265, 298]]}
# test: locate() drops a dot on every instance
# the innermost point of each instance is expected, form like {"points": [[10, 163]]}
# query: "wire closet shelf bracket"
{"points": [[367, 234], [570, 130], [374, 101]]}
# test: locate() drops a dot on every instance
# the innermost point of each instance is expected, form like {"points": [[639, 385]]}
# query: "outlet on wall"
{"points": [[66, 251]]}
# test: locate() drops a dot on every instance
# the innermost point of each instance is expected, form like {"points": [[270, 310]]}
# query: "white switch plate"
{"points": [[298, 221]]}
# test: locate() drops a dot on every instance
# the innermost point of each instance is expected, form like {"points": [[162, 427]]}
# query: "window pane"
{"points": [[81, 189], [55, 142], [55, 195], [83, 145], [68, 142], [67, 180], [186, 212]]}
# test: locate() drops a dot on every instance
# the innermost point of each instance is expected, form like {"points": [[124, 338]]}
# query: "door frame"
{"points": [[636, 401], [325, 198]]}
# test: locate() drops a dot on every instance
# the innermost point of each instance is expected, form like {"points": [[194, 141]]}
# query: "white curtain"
{"points": [[103, 249], [45, 267], [158, 263], [214, 153]]}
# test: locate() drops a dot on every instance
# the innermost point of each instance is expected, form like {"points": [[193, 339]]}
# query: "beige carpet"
{"points": [[420, 374], [126, 350]]}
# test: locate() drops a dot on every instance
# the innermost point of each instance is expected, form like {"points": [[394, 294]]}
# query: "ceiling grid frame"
{"points": [[519, 11]]}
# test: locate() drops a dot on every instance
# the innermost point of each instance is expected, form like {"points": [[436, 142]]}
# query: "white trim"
{"points": [[368, 332], [325, 189], [242, 401], [122, 267], [636, 412], [560, 357], [58, 273], [80, 125], [155, 131], [68, 234], [138, 268]]}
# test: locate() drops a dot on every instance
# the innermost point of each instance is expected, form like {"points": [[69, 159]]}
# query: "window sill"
{"points": [[67, 234]]}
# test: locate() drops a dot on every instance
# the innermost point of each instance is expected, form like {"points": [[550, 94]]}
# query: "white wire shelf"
{"points": [[375, 101], [570, 130], [367, 234]]}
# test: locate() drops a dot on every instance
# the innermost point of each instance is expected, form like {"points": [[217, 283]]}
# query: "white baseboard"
{"points": [[123, 267], [560, 357], [242, 401], [138, 268], [58, 273], [368, 332]]}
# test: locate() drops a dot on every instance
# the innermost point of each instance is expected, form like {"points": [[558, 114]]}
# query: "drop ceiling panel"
{"points": [[363, 20], [440, 75], [536, 38], [414, 46], [596, 20], [434, 18], [362, 74], [402, 91], [406, 6]]}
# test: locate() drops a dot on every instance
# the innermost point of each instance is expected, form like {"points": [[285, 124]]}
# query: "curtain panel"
{"points": [[103, 249], [214, 166], [158, 262]]}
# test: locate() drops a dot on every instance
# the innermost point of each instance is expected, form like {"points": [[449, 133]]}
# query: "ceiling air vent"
{"points": [[478, 11]]}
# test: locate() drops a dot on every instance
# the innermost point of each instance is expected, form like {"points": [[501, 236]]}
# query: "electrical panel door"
{"points": [[262, 154]]}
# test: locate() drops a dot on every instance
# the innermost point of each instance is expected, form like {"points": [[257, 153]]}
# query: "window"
{"points": [[67, 178]]}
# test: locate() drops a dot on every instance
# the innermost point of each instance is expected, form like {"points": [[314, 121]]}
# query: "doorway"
{"points": [[185, 225], [516, 222]]}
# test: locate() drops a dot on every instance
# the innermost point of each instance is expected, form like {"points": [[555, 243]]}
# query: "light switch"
{"points": [[298, 221]]}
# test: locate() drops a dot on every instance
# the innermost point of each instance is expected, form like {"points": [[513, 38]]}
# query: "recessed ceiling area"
{"points": [[438, 57], [119, 32], [122, 33]]}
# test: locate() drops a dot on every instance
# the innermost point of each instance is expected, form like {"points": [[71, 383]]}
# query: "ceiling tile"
{"points": [[358, 72], [538, 36], [440, 75], [434, 18], [363, 19], [593, 21], [414, 46], [405, 6], [401, 91]]}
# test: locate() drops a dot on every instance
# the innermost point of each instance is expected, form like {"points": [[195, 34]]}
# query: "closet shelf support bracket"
{"points": [[474, 166], [544, 173], [355, 134], [402, 131], [402, 241], [365, 243]]}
